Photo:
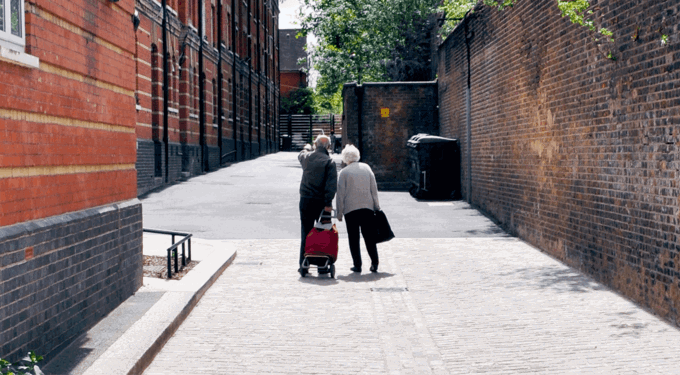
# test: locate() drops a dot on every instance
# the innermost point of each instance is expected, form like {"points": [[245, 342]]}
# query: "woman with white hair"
{"points": [[357, 199]]}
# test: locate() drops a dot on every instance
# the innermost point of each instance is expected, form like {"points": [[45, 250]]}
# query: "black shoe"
{"points": [[356, 269], [374, 268]]}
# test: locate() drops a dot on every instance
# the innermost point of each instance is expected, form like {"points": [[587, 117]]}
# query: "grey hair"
{"points": [[323, 141], [350, 154]]}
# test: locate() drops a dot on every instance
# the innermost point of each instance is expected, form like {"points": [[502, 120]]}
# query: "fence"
{"points": [[302, 128]]}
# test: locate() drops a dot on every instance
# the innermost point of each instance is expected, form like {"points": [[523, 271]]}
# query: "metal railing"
{"points": [[226, 155], [172, 250]]}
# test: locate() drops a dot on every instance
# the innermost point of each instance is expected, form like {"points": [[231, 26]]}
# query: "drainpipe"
{"points": [[266, 96], [219, 79], [201, 83], [166, 96], [359, 91], [468, 110], [259, 80], [250, 85], [277, 85], [233, 76]]}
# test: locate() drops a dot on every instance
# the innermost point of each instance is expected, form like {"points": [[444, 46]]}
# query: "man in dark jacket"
{"points": [[318, 186]]}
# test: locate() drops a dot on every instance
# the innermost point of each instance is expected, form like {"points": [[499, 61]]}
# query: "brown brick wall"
{"points": [[574, 152], [412, 110], [67, 126], [244, 74]]}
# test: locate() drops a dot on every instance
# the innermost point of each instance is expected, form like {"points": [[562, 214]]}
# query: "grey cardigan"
{"points": [[356, 189]]}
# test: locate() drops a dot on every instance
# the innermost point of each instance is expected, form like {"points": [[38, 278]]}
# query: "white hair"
{"points": [[350, 154], [323, 141]]}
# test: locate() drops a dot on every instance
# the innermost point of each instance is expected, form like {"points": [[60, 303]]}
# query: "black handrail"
{"points": [[224, 156], [173, 248]]}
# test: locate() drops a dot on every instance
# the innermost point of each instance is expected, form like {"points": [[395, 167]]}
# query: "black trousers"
{"points": [[356, 220], [310, 209]]}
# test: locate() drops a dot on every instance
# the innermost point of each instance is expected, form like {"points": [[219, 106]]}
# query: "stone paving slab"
{"points": [[127, 339], [437, 306]]}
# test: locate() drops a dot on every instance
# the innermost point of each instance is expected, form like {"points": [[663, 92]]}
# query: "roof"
{"points": [[291, 49]]}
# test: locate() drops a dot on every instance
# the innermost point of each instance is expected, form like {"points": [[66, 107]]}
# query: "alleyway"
{"points": [[454, 294]]}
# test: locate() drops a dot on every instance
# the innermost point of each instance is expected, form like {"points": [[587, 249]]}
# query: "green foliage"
{"points": [[499, 4], [327, 101], [390, 40], [664, 39], [26, 366], [578, 13], [454, 11], [299, 101], [366, 40]]}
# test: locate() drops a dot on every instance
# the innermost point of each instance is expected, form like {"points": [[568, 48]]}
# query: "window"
{"points": [[12, 24]]}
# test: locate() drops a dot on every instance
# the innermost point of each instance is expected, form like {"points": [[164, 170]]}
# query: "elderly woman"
{"points": [[356, 199]]}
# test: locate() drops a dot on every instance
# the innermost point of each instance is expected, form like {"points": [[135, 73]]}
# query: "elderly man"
{"points": [[318, 186]]}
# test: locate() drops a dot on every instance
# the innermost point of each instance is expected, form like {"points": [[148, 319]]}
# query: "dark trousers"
{"points": [[356, 220], [310, 209]]}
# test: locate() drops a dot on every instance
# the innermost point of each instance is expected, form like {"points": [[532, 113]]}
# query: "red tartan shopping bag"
{"points": [[322, 240]]}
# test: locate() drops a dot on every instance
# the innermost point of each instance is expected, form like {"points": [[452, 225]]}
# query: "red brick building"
{"points": [[293, 73], [100, 101], [70, 223], [221, 101]]}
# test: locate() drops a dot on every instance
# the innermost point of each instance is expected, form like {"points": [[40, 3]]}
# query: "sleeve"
{"points": [[374, 191], [331, 182], [302, 158], [340, 196]]}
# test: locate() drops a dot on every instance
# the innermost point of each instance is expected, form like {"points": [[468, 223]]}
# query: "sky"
{"points": [[287, 20], [289, 9]]}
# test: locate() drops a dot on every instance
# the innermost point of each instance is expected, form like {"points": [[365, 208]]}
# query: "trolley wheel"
{"points": [[332, 271], [303, 272]]}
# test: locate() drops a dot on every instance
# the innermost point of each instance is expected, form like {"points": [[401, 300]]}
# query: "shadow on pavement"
{"points": [[364, 277], [321, 280], [559, 279], [492, 229]]}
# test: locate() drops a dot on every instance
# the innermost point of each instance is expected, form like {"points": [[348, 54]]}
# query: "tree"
{"points": [[392, 40], [299, 101], [367, 40]]}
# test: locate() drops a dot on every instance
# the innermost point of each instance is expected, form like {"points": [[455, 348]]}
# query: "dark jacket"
{"points": [[319, 176]]}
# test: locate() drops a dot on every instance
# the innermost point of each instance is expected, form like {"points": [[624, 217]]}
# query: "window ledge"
{"points": [[173, 110], [19, 58]]}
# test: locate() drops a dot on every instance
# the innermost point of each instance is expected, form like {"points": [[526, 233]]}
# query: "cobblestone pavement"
{"points": [[437, 306]]}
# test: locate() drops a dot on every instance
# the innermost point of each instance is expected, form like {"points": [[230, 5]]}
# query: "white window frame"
{"points": [[7, 39]]}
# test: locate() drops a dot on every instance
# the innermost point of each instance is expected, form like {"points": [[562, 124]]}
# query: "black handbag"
{"points": [[383, 232]]}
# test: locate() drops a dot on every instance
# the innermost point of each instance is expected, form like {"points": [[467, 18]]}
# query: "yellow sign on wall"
{"points": [[384, 112]]}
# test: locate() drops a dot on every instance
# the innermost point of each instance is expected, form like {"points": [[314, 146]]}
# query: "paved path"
{"points": [[481, 304]]}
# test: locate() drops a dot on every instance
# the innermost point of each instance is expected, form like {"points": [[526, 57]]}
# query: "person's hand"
{"points": [[339, 218], [328, 208]]}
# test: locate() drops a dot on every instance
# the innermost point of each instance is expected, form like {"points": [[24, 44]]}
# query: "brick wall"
{"points": [[249, 68], [412, 110], [67, 129], [61, 275], [574, 152], [291, 81]]}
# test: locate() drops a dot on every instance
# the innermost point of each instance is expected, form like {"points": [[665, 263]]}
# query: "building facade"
{"points": [[206, 86], [293, 72], [100, 101], [70, 221]]}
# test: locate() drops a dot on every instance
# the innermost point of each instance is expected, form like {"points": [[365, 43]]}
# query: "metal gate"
{"points": [[301, 129]]}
